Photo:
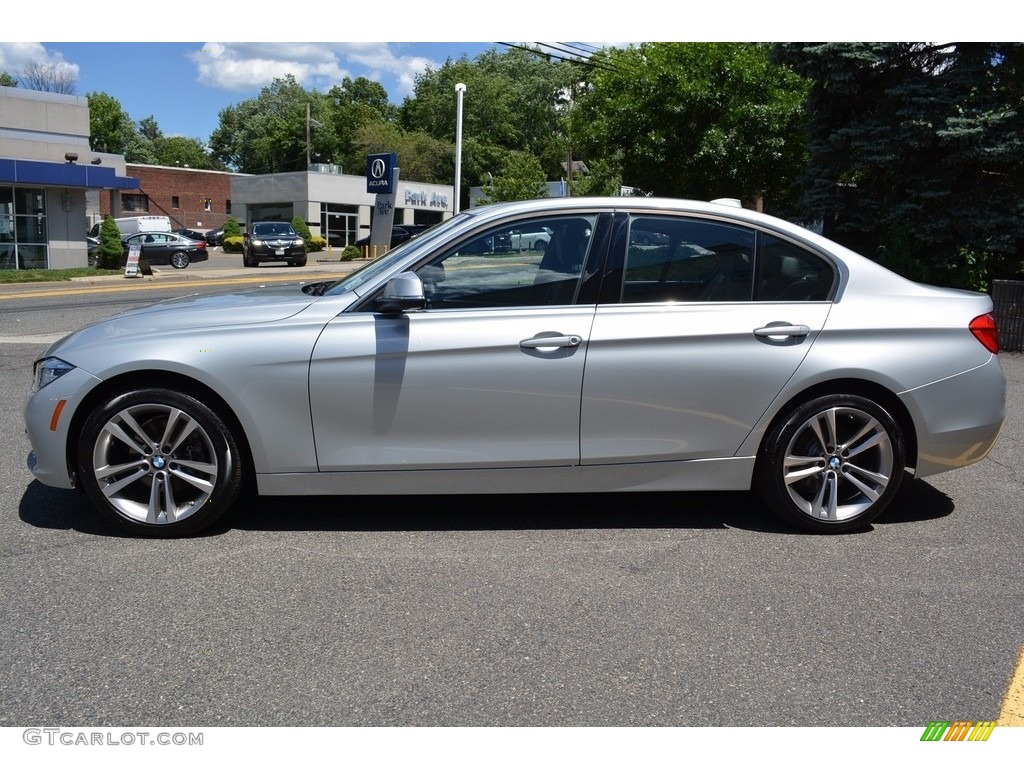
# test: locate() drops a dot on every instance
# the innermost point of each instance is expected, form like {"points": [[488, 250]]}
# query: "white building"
{"points": [[46, 169], [338, 202]]}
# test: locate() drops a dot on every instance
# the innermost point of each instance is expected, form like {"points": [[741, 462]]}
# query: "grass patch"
{"points": [[52, 275]]}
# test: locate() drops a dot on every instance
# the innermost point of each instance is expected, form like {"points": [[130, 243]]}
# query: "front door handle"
{"points": [[540, 342]]}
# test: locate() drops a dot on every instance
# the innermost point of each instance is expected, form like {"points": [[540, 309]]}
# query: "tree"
{"points": [[183, 152], [520, 178], [916, 155], [511, 104], [7, 81], [110, 128], [267, 134], [420, 156], [699, 120], [348, 109], [110, 250], [45, 76]]}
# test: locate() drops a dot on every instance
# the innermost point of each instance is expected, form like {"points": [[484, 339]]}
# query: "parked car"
{"points": [[92, 245], [526, 240], [165, 248], [273, 241], [191, 234], [214, 237], [746, 353], [399, 234]]}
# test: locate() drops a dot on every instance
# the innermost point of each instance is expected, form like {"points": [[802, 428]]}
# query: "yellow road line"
{"points": [[1012, 711]]}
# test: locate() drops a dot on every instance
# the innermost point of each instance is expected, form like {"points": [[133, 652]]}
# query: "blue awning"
{"points": [[63, 175]]}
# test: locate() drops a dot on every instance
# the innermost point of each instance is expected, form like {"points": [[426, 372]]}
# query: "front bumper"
{"points": [[48, 415]]}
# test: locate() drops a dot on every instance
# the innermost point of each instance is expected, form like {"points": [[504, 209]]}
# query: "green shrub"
{"points": [[351, 252], [299, 225], [232, 244], [108, 254], [316, 243], [232, 228]]}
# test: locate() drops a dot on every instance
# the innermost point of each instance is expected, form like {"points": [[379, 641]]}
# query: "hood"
{"points": [[249, 307]]}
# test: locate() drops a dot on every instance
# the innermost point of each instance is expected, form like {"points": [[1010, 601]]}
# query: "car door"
{"points": [[489, 375], [156, 246], [688, 354]]}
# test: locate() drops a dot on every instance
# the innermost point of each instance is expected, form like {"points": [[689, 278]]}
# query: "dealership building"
{"points": [[53, 188], [47, 173], [335, 205]]}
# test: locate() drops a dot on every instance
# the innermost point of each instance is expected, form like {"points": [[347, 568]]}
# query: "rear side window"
{"points": [[687, 260], [787, 272]]}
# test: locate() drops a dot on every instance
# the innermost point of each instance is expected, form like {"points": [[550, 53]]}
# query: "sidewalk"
{"points": [[314, 270]]}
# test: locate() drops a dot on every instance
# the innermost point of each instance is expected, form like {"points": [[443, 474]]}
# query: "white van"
{"points": [[129, 225]]}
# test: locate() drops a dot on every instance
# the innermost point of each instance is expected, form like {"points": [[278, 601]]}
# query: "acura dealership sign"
{"points": [[379, 172]]}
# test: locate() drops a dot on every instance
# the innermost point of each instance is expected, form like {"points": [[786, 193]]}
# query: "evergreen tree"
{"points": [[916, 155]]}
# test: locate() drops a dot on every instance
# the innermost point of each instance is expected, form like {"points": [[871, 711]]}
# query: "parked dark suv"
{"points": [[273, 241]]}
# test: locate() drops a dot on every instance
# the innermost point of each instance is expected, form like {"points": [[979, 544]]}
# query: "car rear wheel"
{"points": [[159, 463], [180, 260], [831, 465]]}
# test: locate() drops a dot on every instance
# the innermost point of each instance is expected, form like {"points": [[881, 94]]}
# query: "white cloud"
{"points": [[244, 66], [14, 57]]}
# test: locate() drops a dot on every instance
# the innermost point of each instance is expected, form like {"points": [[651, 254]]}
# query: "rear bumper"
{"points": [[958, 419]]}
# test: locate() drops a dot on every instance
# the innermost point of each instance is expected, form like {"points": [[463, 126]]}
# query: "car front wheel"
{"points": [[831, 465], [159, 463], [247, 260], [179, 260]]}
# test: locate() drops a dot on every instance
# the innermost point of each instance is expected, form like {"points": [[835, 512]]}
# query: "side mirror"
{"points": [[403, 291]]}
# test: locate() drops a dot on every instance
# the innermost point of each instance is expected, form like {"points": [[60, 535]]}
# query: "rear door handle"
{"points": [[782, 330]]}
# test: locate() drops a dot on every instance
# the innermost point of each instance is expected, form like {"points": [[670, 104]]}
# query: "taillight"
{"points": [[984, 329]]}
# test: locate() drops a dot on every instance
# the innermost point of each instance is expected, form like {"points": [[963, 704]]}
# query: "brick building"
{"points": [[191, 198]]}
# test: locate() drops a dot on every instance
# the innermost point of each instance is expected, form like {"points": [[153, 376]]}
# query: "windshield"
{"points": [[273, 229], [369, 271]]}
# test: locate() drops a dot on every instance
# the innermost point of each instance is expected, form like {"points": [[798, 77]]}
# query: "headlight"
{"points": [[48, 369]]}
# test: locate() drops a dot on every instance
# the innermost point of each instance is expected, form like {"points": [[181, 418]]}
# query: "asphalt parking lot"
{"points": [[683, 610]]}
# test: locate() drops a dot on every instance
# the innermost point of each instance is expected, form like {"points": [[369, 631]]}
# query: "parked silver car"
{"points": [[722, 350]]}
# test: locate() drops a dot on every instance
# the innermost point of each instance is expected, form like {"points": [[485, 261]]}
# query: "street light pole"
{"points": [[309, 121], [460, 89]]}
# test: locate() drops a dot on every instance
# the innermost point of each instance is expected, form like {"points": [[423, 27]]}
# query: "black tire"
{"points": [[298, 262], [247, 260], [832, 464], [168, 490], [180, 260]]}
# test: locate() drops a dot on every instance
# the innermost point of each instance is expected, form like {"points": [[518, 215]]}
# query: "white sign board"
{"points": [[131, 267]]}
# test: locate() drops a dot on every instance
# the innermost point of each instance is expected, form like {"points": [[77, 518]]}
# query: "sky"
{"points": [[184, 85]]}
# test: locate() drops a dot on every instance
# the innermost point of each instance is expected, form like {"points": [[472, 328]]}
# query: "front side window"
{"points": [[687, 259], [490, 270]]}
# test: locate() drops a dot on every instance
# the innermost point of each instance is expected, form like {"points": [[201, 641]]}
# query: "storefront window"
{"points": [[23, 231], [339, 223]]}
